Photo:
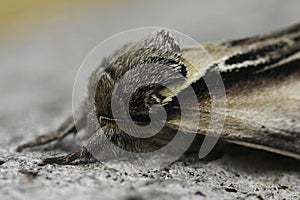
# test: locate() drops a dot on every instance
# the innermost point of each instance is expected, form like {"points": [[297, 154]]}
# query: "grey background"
{"points": [[39, 57]]}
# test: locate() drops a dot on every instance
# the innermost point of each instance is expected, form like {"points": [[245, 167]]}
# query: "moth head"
{"points": [[157, 57]]}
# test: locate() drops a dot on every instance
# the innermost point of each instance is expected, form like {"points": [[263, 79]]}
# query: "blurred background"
{"points": [[43, 43]]}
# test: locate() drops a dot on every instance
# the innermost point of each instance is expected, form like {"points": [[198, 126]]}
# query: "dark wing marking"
{"points": [[262, 82]]}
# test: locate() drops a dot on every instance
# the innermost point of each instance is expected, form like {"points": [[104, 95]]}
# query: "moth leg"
{"points": [[93, 145], [65, 129], [83, 153], [67, 159]]}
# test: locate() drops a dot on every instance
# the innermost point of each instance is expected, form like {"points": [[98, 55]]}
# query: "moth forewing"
{"points": [[262, 79]]}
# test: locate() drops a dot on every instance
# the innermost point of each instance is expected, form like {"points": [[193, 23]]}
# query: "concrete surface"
{"points": [[241, 174]]}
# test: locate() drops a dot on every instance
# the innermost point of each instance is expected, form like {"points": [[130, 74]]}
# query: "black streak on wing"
{"points": [[254, 54], [277, 34]]}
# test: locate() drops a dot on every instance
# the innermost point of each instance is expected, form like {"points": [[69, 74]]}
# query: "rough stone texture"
{"points": [[38, 67], [238, 173]]}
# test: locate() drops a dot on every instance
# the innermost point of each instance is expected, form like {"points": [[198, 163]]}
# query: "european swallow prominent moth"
{"points": [[261, 76]]}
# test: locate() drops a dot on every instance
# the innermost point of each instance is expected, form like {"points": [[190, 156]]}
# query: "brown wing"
{"points": [[262, 113], [262, 80]]}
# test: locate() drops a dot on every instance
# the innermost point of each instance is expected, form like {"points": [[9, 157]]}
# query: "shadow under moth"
{"points": [[261, 76]]}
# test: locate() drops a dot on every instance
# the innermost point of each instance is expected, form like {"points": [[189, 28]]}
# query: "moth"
{"points": [[261, 75]]}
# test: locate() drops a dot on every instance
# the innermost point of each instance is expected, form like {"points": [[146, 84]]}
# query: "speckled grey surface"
{"points": [[37, 74], [243, 175]]}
